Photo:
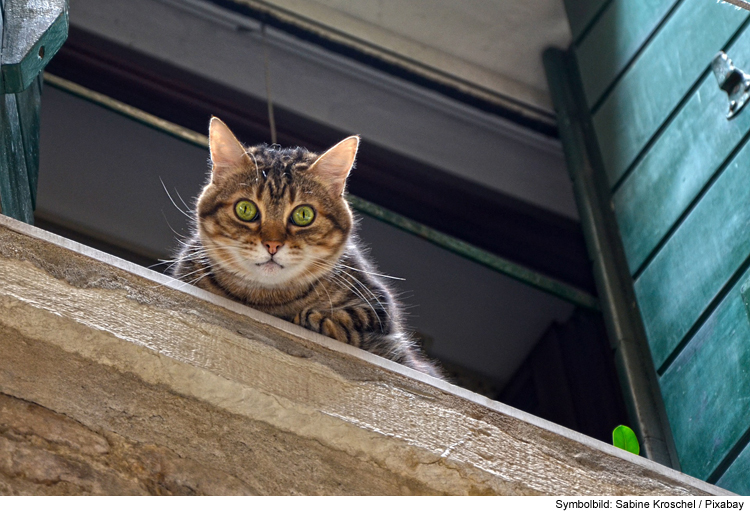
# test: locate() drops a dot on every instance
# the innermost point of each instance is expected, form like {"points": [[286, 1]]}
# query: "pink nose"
{"points": [[273, 247]]}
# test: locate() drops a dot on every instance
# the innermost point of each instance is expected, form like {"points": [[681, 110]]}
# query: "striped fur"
{"points": [[318, 278]]}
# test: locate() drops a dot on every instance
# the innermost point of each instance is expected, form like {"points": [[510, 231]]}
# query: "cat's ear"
{"points": [[226, 151], [333, 166]]}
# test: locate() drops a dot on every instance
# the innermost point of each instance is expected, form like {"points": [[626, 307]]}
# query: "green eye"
{"points": [[303, 216], [246, 210]]}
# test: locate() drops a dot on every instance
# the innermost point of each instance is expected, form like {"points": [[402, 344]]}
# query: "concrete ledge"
{"points": [[116, 379]]}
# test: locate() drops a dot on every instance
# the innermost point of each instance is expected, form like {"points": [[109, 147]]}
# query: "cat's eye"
{"points": [[246, 210], [302, 216]]}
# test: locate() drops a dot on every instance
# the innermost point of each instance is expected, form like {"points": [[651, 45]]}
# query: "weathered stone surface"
{"points": [[127, 382], [42, 452]]}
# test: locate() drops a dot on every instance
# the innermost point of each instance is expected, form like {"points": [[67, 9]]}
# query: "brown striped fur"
{"points": [[315, 275]]}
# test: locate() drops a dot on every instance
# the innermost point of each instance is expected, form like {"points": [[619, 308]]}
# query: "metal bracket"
{"points": [[732, 80]]}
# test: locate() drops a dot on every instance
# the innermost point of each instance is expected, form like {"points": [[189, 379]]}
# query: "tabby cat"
{"points": [[273, 231]]}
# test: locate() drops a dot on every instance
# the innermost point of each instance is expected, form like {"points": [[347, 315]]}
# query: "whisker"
{"points": [[347, 285], [187, 207], [180, 235], [377, 299], [183, 277], [372, 273], [358, 282], [173, 202], [369, 272], [316, 281]]}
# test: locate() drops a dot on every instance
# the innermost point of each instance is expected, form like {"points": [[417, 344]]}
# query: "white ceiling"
{"points": [[493, 44]]}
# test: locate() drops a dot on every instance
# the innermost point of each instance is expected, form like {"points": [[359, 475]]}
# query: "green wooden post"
{"points": [[31, 32], [637, 375]]}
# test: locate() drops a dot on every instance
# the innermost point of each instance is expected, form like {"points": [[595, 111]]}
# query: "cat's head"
{"points": [[274, 217]]}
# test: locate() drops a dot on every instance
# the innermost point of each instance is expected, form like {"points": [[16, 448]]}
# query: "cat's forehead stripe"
{"points": [[280, 162], [277, 167]]}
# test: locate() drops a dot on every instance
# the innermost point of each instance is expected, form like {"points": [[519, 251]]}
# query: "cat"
{"points": [[274, 231]]}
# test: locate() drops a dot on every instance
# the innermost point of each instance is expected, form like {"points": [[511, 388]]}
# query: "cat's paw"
{"points": [[334, 324]]}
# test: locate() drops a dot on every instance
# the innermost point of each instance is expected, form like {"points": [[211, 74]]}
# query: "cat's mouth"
{"points": [[270, 265]]}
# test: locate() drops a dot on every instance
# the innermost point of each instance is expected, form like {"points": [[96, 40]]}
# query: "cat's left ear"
{"points": [[226, 151], [334, 165]]}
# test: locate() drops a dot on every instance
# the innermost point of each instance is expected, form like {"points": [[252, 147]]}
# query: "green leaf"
{"points": [[624, 438]]}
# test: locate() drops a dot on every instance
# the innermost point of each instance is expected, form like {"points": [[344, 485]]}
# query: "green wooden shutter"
{"points": [[676, 179], [31, 32]]}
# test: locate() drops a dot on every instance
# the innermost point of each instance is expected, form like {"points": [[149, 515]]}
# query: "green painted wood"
{"points": [[31, 32], [624, 327], [676, 168], [581, 13], [4, 173], [745, 292], [34, 31], [1, 46], [698, 260], [653, 87], [737, 476], [707, 388], [29, 104], [614, 40], [15, 193]]}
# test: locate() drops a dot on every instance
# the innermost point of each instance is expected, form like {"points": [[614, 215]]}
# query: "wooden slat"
{"points": [[707, 389], [698, 260], [677, 167], [581, 13], [616, 37], [737, 477], [29, 103], [651, 89], [34, 31], [14, 182]]}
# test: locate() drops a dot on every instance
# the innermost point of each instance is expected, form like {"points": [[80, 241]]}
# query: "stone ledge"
{"points": [[116, 379]]}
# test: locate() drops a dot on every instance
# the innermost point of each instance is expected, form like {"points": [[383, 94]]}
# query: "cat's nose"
{"points": [[273, 247]]}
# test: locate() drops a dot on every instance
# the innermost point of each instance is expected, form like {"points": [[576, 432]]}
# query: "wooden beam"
{"points": [[134, 365]]}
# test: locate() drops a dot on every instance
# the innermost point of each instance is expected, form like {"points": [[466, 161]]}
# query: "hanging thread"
{"points": [[271, 117]]}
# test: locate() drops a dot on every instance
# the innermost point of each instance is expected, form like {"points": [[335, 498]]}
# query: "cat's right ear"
{"points": [[227, 154], [333, 166]]}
